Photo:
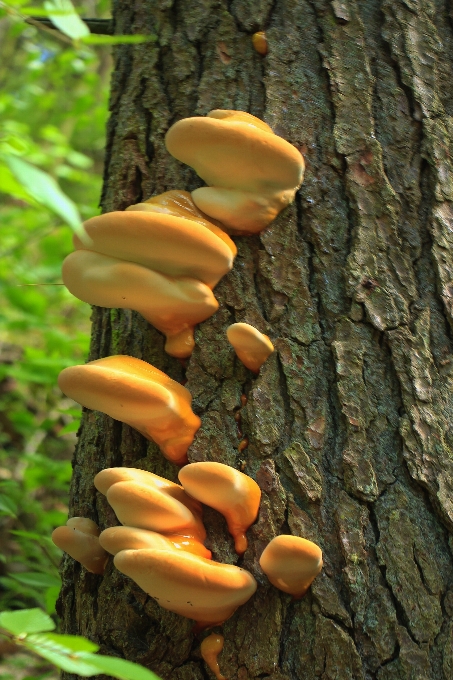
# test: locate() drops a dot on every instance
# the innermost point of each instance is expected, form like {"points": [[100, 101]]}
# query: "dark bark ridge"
{"points": [[349, 420]]}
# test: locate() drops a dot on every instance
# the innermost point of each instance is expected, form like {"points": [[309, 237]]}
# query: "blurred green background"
{"points": [[53, 111]]}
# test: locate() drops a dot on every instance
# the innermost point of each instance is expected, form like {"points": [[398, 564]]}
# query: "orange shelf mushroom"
{"points": [[79, 538], [138, 394], [291, 563], [160, 258], [200, 589], [144, 501], [252, 174], [116, 539], [210, 649], [228, 491], [251, 346]]}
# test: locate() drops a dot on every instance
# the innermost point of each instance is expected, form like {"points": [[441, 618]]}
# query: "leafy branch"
{"points": [[30, 628]]}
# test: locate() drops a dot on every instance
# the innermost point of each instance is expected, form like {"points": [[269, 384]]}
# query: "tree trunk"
{"points": [[349, 421]]}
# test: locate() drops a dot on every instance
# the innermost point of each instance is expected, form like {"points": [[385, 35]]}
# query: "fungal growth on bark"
{"points": [[251, 173], [291, 563], [208, 592], [228, 491], [161, 258], [251, 346], [136, 393], [210, 649], [152, 503], [79, 538]]}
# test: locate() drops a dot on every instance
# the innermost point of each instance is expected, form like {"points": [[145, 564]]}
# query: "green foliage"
{"points": [[30, 629], [53, 109]]}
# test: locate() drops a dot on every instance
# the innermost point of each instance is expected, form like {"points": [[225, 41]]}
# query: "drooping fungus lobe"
{"points": [[252, 174], [291, 563], [226, 490], [147, 503], [79, 538], [138, 394], [161, 258], [192, 586], [210, 649], [251, 346]]}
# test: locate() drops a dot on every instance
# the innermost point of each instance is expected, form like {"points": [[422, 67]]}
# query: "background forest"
{"points": [[53, 110]]}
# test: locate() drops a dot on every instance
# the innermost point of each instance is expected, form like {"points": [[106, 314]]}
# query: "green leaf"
{"points": [[39, 12], [8, 506], [63, 643], [36, 579], [50, 598], [71, 664], [119, 668], [70, 427], [44, 189], [26, 621], [69, 23], [118, 39]]}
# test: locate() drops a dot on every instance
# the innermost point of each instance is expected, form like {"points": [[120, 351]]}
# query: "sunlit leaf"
{"points": [[70, 427], [118, 39], [43, 188], [26, 621], [119, 668], [63, 643], [69, 23], [36, 579]]}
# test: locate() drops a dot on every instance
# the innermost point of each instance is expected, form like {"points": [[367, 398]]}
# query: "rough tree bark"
{"points": [[349, 422]]}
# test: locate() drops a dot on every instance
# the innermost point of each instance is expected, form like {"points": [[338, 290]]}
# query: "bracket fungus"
{"points": [[228, 491], [138, 394], [120, 538], [146, 501], [195, 587], [160, 258], [291, 563], [79, 538], [252, 174], [251, 346]]}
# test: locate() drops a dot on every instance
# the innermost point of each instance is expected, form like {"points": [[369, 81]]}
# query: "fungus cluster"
{"points": [[163, 257]]}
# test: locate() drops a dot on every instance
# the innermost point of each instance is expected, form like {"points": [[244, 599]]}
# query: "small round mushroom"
{"points": [[226, 490], [291, 563], [79, 540], [210, 649], [259, 42], [166, 243], [251, 346], [116, 539], [138, 394], [173, 305], [148, 507], [252, 174], [200, 589]]}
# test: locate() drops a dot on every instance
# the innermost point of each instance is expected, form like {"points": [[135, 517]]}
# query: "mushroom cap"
{"points": [[291, 563], [168, 244], [241, 212], [83, 524], [191, 586], [180, 204], [82, 547], [116, 539], [234, 150], [105, 478], [251, 346], [147, 507], [170, 304], [228, 491], [138, 394]]}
